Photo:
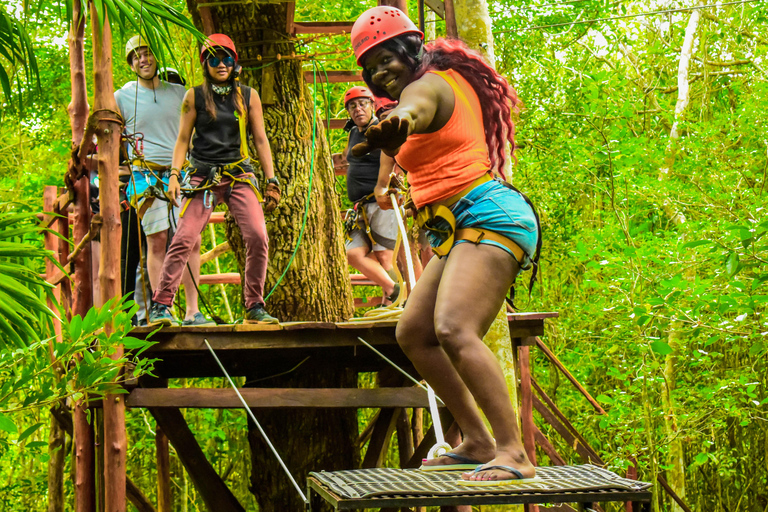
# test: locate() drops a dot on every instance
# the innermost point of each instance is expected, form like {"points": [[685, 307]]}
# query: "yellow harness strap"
{"points": [[152, 166], [427, 215], [142, 208], [475, 236]]}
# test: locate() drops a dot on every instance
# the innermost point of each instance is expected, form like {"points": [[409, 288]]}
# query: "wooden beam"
{"points": [[437, 6], [367, 302], [382, 433], [214, 253], [553, 407], [584, 451], [164, 498], [203, 398], [137, 498], [335, 76], [526, 406], [223, 278], [450, 20], [361, 280], [551, 356], [212, 489], [335, 124], [542, 441], [322, 27]]}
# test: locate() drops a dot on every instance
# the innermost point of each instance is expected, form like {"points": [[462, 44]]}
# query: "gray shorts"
{"points": [[157, 218], [383, 225]]}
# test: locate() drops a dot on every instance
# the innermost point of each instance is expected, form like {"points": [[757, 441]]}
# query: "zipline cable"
{"points": [[258, 425]]}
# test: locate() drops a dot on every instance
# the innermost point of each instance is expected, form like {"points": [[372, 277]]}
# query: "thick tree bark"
{"points": [[82, 296], [316, 286], [108, 135]]}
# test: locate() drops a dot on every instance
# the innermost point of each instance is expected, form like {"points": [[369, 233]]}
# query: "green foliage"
{"points": [[23, 311], [15, 52]]}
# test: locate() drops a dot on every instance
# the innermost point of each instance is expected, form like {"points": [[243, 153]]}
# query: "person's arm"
{"points": [[186, 125], [382, 189], [415, 113], [256, 119]]}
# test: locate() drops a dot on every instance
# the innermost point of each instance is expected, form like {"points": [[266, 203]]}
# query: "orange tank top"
{"points": [[443, 163]]}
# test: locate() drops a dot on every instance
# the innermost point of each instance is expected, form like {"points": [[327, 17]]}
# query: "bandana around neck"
{"points": [[223, 90]]}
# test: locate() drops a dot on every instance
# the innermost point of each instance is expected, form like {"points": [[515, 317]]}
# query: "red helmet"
{"points": [[217, 41], [357, 92], [379, 103], [378, 24]]}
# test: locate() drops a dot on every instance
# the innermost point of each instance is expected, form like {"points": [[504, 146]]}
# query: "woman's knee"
{"points": [[453, 335], [411, 335]]}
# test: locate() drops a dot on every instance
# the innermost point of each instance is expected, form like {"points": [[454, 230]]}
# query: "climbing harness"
{"points": [[213, 175], [258, 425], [440, 447], [356, 215], [439, 220]]}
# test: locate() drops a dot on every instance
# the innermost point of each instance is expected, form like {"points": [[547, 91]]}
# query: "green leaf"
{"points": [[7, 425], [661, 347], [732, 264], [28, 432], [695, 243]]}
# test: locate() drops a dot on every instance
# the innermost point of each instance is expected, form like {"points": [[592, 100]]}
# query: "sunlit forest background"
{"points": [[648, 168]]}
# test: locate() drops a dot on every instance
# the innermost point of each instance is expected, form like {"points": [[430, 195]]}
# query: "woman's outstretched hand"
{"points": [[387, 136]]}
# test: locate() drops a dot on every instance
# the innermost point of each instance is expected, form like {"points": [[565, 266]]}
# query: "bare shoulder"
{"points": [[431, 86]]}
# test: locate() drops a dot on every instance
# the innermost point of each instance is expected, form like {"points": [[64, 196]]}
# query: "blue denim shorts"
{"points": [[494, 207]]}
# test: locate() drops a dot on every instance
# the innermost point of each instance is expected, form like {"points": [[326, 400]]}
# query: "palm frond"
{"points": [[16, 49], [23, 311]]}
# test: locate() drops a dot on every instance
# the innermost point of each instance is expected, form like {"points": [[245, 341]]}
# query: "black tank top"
{"points": [[218, 141], [363, 172]]}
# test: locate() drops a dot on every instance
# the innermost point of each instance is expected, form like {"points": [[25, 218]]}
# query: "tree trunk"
{"points": [[676, 453], [316, 285], [108, 135]]}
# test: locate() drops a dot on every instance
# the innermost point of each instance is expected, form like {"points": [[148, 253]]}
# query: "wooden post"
{"points": [[400, 4], [450, 20], [526, 403], [108, 135], [82, 295], [56, 438], [164, 501]]}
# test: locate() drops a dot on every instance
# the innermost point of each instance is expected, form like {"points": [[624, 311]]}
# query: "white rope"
{"points": [[258, 425]]}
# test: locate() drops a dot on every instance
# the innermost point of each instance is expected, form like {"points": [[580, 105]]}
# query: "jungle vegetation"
{"points": [[643, 141]]}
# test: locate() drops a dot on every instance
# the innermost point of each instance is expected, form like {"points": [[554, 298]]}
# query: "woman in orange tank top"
{"points": [[449, 133]]}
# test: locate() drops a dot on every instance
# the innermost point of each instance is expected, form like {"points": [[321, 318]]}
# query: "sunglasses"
{"points": [[228, 61]]}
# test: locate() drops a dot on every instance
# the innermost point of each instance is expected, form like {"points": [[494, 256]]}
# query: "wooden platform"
{"points": [[387, 487], [257, 349]]}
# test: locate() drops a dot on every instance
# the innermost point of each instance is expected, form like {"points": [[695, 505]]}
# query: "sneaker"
{"points": [[198, 320], [258, 315], [160, 314]]}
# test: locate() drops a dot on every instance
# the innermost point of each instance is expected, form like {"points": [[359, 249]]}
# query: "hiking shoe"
{"points": [[160, 314], [198, 320], [258, 315], [392, 297]]}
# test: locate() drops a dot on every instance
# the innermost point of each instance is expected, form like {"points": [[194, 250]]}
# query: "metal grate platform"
{"points": [[387, 487]]}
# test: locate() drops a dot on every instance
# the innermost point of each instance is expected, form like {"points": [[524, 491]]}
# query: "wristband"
{"points": [[175, 172], [274, 180]]}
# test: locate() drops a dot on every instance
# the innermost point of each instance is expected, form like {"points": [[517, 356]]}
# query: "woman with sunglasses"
{"points": [[448, 132], [221, 112]]}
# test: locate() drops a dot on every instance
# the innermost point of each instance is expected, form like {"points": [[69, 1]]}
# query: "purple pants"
{"points": [[245, 207]]}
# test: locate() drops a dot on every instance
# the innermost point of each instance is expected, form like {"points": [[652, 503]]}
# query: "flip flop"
{"points": [[519, 480], [462, 464]]}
